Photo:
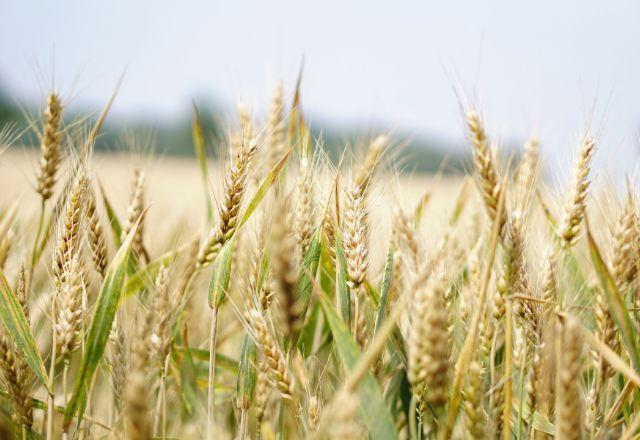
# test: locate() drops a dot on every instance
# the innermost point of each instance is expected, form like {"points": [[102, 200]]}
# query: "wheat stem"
{"points": [[51, 396], [212, 371], [508, 372]]}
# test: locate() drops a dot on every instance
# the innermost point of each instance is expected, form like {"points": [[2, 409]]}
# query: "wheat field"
{"points": [[279, 295]]}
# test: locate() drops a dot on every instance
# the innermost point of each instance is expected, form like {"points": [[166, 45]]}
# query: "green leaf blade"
{"points": [[385, 289], [220, 275], [343, 294], [17, 327], [373, 408], [201, 155], [100, 327], [618, 309], [264, 187], [247, 376]]}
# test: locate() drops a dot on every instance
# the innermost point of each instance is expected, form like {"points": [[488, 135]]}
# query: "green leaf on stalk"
{"points": [[385, 289], [219, 283], [246, 383], [264, 187], [373, 408], [343, 295], [100, 327], [617, 306], [201, 155], [17, 328], [116, 228]]}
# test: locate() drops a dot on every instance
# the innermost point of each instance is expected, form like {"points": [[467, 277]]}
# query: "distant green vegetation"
{"points": [[175, 138]]}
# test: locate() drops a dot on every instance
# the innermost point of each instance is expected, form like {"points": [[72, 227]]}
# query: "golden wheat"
{"points": [[316, 304]]}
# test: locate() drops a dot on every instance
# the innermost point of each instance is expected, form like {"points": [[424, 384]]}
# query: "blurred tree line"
{"points": [[175, 138]]}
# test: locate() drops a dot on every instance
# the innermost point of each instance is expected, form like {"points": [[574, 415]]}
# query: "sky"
{"points": [[547, 68]]}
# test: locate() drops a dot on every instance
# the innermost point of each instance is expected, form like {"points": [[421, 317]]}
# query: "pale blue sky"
{"points": [[531, 66]]}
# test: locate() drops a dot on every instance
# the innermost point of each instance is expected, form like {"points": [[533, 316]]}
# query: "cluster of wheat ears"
{"points": [[516, 320]]}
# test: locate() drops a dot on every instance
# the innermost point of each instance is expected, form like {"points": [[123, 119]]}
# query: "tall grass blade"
{"points": [[385, 289], [220, 275], [264, 187], [201, 154], [373, 408], [17, 328], [342, 288], [618, 309], [100, 328]]}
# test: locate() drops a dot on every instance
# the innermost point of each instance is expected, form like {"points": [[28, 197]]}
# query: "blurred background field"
{"points": [[405, 68], [176, 196]]}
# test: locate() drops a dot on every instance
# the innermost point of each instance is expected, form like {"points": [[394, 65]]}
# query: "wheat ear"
{"points": [[485, 166], [275, 131], [230, 208], [371, 160], [428, 343], [50, 147], [625, 242], [568, 418], [69, 310], [339, 419], [284, 269], [15, 371], [569, 227], [135, 213], [275, 363], [136, 401], [118, 355], [95, 235], [69, 228], [304, 212], [472, 405], [355, 236]]}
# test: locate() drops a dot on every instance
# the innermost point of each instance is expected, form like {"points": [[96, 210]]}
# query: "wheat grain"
{"points": [[70, 227], [569, 412], [69, 310], [119, 363], [304, 212], [136, 397], [484, 163], [355, 237], [275, 363], [569, 226], [428, 343], [135, 215], [230, 208], [319, 372], [475, 420], [284, 269], [50, 146], [95, 235]]}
